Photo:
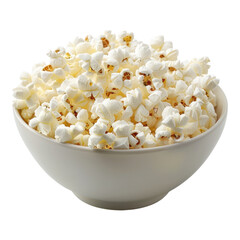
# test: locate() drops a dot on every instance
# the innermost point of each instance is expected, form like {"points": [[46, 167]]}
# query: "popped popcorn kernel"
{"points": [[111, 92]]}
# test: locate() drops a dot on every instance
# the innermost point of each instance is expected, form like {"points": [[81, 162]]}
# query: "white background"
{"points": [[33, 206]]}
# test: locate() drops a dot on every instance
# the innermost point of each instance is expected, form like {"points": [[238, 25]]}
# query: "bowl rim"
{"points": [[140, 150]]}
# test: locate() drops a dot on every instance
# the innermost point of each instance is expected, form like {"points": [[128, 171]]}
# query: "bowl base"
{"points": [[121, 205]]}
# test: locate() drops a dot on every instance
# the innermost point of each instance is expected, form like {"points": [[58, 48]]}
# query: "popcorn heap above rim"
{"points": [[118, 93]]}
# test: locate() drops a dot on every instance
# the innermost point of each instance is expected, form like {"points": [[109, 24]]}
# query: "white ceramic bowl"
{"points": [[122, 179]]}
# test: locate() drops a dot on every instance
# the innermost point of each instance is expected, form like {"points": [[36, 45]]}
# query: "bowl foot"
{"points": [[121, 205]]}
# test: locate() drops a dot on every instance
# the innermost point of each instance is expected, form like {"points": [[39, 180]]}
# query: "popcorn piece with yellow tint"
{"points": [[81, 139], [111, 64], [125, 38], [158, 44]]}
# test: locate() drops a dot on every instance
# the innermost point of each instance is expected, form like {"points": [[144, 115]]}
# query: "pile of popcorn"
{"points": [[114, 92]]}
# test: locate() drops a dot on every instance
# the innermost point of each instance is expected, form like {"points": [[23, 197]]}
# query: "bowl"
{"points": [[123, 179]]}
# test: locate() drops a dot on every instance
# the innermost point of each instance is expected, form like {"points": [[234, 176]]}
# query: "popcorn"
{"points": [[98, 136], [88, 87], [26, 97], [172, 124], [91, 63], [120, 54], [142, 52], [44, 121], [67, 134], [122, 80], [125, 38], [106, 109], [158, 43], [133, 98], [141, 114], [114, 92]]}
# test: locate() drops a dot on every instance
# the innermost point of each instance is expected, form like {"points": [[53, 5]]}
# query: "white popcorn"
{"points": [[70, 118], [206, 82], [98, 136], [120, 54], [122, 80], [121, 128], [181, 86], [136, 139], [57, 74], [26, 96], [82, 47], [163, 132], [142, 52], [127, 113], [44, 121], [82, 115], [175, 122], [106, 109], [118, 93], [57, 60], [169, 54], [111, 64], [157, 68], [172, 124], [91, 62], [88, 87], [67, 134], [63, 133], [150, 141], [25, 78], [196, 67], [121, 143], [133, 98], [141, 114]]}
